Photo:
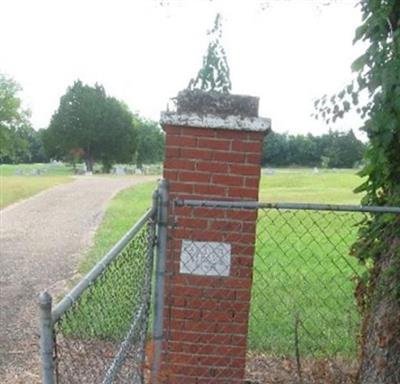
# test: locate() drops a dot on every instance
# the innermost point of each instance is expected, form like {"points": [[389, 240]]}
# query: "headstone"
{"points": [[119, 170], [269, 171]]}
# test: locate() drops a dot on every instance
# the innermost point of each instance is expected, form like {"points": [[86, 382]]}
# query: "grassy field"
{"points": [[302, 268], [122, 212], [21, 181]]}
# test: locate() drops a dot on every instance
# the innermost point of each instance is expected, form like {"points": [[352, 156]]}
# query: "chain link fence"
{"points": [[99, 330], [268, 287], [304, 321]]}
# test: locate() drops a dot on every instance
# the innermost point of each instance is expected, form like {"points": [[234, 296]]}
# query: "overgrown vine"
{"points": [[214, 75], [378, 76]]}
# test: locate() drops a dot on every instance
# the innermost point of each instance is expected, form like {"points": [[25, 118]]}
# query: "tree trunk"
{"points": [[89, 164], [380, 338]]}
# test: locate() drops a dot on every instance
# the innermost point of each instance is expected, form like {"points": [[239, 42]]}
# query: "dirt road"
{"points": [[41, 242]]}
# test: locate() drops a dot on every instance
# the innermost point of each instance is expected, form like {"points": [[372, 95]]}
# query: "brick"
{"points": [[212, 167], [170, 175], [175, 324], [172, 130], [216, 316], [231, 134], [230, 350], [184, 313], [230, 328], [246, 146], [238, 283], [253, 158], [186, 291], [181, 141], [214, 144], [192, 222], [210, 190], [239, 340], [243, 295], [248, 193], [198, 348], [183, 358], [252, 182], [194, 177], [197, 154], [227, 226], [192, 371], [210, 212], [180, 187], [178, 164], [214, 361], [200, 326], [228, 180], [247, 273], [229, 157], [172, 152], [246, 170], [183, 211], [244, 261], [243, 214], [256, 136], [225, 294], [215, 339], [248, 227], [243, 238], [203, 303], [198, 132]]}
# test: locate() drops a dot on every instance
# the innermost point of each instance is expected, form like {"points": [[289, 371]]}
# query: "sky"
{"points": [[287, 52]]}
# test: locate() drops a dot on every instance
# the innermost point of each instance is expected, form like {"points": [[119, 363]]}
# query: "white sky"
{"points": [[143, 53]]}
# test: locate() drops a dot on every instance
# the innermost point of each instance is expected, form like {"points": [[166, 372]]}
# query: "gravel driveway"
{"points": [[41, 242]]}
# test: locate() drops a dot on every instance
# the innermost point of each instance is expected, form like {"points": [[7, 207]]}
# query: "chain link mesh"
{"points": [[303, 317], [101, 338]]}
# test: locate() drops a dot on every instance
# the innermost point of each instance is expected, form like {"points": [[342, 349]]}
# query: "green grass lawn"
{"points": [[305, 186], [302, 268], [17, 182]]}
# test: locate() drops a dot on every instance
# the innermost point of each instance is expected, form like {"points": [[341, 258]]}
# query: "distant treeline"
{"points": [[331, 150], [91, 126]]}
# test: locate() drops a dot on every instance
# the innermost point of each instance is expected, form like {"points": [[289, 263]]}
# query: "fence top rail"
{"points": [[94, 273], [290, 206]]}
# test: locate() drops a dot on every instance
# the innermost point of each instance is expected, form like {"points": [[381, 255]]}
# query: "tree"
{"points": [[91, 125], [14, 122], [214, 74], [378, 244], [333, 149], [150, 142]]}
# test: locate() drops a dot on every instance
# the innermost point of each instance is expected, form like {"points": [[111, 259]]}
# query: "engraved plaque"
{"points": [[205, 258]]}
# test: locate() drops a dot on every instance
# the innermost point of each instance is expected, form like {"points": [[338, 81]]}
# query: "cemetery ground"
{"points": [[18, 182], [326, 353], [271, 352], [43, 239]]}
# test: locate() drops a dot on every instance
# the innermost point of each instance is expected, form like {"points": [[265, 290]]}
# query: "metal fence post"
{"points": [[46, 338], [158, 331]]}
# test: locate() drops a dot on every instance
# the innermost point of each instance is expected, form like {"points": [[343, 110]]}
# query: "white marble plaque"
{"points": [[205, 258]]}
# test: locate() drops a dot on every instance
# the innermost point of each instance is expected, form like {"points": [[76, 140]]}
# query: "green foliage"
{"points": [[214, 74], [378, 76], [151, 141], [331, 150], [92, 126], [17, 137]]}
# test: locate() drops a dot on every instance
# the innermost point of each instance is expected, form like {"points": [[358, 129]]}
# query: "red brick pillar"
{"points": [[213, 152]]}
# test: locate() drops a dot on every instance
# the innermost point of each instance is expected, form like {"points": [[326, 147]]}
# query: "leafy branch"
{"points": [[214, 75]]}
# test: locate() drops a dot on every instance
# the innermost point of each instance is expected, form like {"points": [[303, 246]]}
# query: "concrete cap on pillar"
{"points": [[201, 109]]}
